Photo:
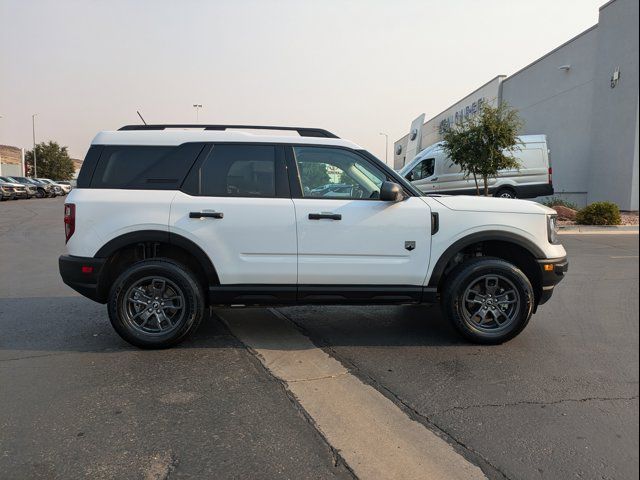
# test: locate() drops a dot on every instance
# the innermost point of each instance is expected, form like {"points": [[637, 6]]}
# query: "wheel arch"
{"points": [[142, 244], [514, 248]]}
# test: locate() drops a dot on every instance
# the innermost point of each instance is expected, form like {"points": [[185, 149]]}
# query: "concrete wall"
{"points": [[558, 103], [10, 160], [614, 128]]}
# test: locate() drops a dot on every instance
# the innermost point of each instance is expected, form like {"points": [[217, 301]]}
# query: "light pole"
{"points": [[197, 106], [386, 147], [33, 130]]}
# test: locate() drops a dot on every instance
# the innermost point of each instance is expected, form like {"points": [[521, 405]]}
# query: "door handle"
{"points": [[328, 216], [206, 215], [434, 179]]}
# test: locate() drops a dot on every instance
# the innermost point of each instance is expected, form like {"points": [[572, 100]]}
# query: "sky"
{"points": [[356, 68]]}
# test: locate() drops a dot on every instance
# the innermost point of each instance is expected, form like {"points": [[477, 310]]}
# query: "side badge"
{"points": [[410, 245]]}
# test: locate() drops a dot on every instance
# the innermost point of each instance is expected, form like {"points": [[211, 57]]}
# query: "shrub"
{"points": [[599, 213], [557, 201]]}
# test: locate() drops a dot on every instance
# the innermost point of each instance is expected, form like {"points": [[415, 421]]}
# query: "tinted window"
{"points": [[337, 173], [143, 167], [235, 171]]}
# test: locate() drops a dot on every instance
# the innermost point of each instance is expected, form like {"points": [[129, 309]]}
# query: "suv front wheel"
{"points": [[156, 304], [488, 300]]}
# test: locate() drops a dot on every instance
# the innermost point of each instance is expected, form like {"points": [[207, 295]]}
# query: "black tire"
{"points": [[123, 308], [41, 193], [462, 283], [506, 192]]}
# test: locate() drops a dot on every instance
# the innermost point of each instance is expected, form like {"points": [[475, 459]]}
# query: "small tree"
{"points": [[484, 144], [52, 161]]}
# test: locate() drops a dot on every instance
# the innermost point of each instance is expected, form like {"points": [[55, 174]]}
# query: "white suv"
{"points": [[169, 219]]}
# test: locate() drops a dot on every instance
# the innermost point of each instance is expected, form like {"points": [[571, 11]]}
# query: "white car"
{"points": [[65, 185], [58, 188], [169, 219], [432, 171]]}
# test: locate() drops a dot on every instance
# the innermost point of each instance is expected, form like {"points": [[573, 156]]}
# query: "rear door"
{"points": [[235, 205], [355, 238]]}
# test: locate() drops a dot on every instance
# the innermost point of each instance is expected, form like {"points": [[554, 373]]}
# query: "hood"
{"points": [[492, 204]]}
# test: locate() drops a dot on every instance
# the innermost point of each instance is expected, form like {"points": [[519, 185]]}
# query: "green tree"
{"points": [[52, 161], [484, 144]]}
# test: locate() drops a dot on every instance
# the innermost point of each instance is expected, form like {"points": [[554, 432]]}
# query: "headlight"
{"points": [[552, 228]]}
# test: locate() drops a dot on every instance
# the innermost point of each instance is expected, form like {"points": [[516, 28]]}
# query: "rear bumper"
{"points": [[553, 271], [82, 274]]}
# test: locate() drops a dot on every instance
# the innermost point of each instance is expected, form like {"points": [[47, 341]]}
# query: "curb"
{"points": [[572, 229]]}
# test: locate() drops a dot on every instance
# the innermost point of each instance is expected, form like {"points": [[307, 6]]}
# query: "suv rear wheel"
{"points": [[488, 300], [156, 304]]}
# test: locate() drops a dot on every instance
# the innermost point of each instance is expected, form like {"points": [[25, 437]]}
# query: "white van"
{"points": [[433, 172]]}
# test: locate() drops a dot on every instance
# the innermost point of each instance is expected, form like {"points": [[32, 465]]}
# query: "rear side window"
{"points": [[88, 166], [144, 167], [232, 170]]}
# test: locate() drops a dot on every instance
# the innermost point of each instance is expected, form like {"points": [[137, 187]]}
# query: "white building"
{"points": [[584, 96]]}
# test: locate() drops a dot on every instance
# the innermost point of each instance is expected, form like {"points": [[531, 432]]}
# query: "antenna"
{"points": [[138, 112]]}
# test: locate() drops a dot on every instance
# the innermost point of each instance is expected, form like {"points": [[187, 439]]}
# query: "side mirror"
{"points": [[391, 192]]}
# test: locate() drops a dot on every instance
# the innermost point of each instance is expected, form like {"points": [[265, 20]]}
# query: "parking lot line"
{"points": [[372, 434]]}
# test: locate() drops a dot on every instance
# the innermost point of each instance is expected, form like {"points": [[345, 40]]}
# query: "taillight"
{"points": [[69, 220], [550, 176]]}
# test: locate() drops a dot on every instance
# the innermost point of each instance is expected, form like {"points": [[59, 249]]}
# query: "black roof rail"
{"points": [[302, 131]]}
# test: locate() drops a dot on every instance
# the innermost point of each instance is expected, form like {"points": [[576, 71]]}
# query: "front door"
{"points": [[346, 235], [423, 177], [235, 205]]}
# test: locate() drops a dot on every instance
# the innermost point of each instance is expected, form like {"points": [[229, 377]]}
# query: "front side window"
{"points": [[336, 173], [424, 169], [235, 171]]}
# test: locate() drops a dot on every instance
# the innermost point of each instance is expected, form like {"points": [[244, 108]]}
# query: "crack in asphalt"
{"points": [[337, 459], [469, 452], [316, 378], [534, 402]]}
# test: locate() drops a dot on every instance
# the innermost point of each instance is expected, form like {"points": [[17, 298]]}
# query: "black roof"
{"points": [[302, 131]]}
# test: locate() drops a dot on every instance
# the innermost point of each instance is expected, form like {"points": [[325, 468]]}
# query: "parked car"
{"points": [[65, 185], [42, 189], [19, 189], [6, 191], [31, 189], [168, 220], [432, 171], [57, 189]]}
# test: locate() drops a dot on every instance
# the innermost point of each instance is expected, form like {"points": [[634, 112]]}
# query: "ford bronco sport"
{"points": [[167, 220]]}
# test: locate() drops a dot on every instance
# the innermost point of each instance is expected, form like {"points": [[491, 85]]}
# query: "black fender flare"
{"points": [[485, 236], [142, 236]]}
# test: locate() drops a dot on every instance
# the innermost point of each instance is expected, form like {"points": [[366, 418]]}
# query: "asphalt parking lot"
{"points": [[559, 401]]}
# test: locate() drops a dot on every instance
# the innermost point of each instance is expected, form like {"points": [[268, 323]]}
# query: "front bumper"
{"points": [[553, 270], [83, 275]]}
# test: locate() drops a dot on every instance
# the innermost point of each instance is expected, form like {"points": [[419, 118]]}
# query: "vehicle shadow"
{"points": [[75, 324]]}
